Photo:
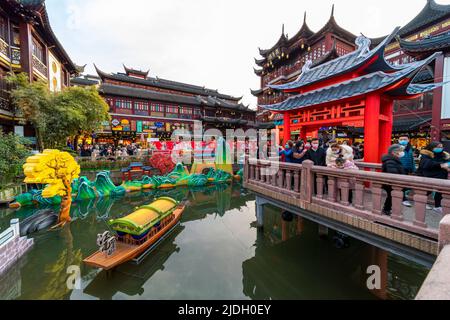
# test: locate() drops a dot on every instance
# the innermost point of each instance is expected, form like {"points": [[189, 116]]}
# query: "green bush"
{"points": [[98, 165], [13, 154]]}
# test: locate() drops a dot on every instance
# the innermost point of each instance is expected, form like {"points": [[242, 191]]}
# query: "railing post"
{"points": [[281, 178], [445, 204], [358, 199], [331, 189], [420, 199], [444, 232], [289, 180], [397, 199], [263, 173], [297, 178], [307, 179], [274, 179], [252, 171], [344, 186], [376, 198], [258, 173], [320, 181], [246, 168]]}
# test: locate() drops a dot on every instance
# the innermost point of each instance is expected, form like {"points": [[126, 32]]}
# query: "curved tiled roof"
{"points": [[138, 72], [115, 90], [166, 84], [84, 81], [341, 65], [37, 11], [429, 14], [306, 33], [434, 43], [355, 87]]}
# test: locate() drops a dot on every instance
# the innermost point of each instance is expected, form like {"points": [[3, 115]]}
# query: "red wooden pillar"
{"points": [[287, 127], [386, 125], [303, 134], [315, 133], [26, 49], [437, 100], [372, 129]]}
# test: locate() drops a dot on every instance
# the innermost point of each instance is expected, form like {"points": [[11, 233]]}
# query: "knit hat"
{"points": [[395, 148]]}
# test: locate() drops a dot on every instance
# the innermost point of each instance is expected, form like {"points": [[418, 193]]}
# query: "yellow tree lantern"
{"points": [[57, 170]]}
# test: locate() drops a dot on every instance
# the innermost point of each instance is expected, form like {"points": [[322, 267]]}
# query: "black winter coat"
{"points": [[392, 165], [430, 165], [318, 157]]}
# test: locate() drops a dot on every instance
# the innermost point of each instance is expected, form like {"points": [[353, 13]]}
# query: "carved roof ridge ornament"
{"points": [[306, 68], [363, 44]]}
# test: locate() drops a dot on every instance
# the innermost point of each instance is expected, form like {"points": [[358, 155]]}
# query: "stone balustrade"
{"points": [[12, 246], [331, 188], [437, 284]]}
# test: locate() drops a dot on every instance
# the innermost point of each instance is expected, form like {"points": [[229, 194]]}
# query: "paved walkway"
{"points": [[432, 219]]}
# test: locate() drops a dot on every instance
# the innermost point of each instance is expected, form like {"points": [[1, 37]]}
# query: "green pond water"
{"points": [[216, 253]]}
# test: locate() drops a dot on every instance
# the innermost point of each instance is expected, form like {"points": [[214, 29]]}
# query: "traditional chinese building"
{"points": [[28, 44], [284, 61], [358, 87], [424, 35], [143, 107]]}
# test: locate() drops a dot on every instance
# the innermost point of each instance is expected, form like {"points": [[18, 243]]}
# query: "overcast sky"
{"points": [[210, 43]]}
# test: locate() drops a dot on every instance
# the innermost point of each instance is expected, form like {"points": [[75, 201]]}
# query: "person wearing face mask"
{"points": [[434, 163], [299, 152], [288, 152], [316, 154], [408, 161], [336, 151], [393, 165]]}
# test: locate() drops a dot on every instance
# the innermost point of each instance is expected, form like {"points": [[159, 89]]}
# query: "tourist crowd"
{"points": [[108, 151], [401, 159]]}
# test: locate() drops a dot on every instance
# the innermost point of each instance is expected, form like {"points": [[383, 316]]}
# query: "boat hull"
{"points": [[125, 252]]}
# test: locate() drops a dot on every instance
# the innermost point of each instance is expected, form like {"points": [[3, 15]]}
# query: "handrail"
{"points": [[307, 184], [421, 183]]}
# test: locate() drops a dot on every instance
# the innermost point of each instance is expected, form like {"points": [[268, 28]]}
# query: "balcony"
{"points": [[15, 56], [283, 72], [4, 50], [10, 53], [40, 67], [273, 99], [5, 104]]}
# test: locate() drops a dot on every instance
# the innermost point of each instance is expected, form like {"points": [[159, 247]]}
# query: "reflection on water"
{"points": [[216, 253]]}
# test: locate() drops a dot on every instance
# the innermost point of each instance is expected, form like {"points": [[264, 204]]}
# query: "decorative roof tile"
{"points": [[115, 90], [167, 84], [343, 64], [429, 14], [434, 43], [353, 88]]}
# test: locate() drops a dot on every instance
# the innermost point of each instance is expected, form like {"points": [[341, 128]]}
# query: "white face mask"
{"points": [[401, 154]]}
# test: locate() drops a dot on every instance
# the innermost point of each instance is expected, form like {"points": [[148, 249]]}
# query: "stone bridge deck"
{"points": [[322, 194]]}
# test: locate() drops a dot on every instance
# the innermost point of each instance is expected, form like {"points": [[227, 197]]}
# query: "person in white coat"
{"points": [[336, 151]]}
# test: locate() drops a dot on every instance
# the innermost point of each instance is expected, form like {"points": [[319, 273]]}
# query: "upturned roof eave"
{"points": [[379, 62], [408, 73]]}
